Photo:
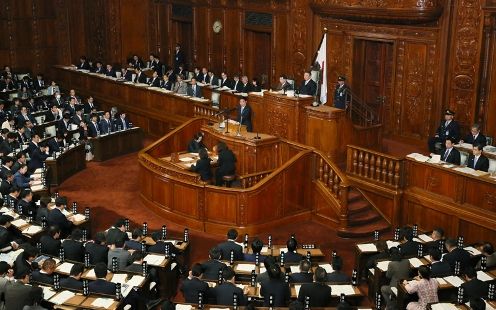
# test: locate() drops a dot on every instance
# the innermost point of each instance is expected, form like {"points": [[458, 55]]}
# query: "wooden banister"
{"points": [[248, 180], [200, 110], [374, 166]]}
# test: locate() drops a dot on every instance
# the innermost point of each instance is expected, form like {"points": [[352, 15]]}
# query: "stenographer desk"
{"points": [[67, 163], [117, 143]]}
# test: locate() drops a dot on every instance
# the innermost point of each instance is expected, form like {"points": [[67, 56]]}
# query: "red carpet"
{"points": [[110, 189]]}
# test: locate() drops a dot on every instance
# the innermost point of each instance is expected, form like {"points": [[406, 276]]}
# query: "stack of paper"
{"points": [[36, 188], [65, 268], [481, 275], [79, 217], [327, 267], [154, 260], [183, 307], [285, 250], [294, 269], [383, 265], [33, 229], [441, 281], [415, 262], [11, 256], [392, 244], [367, 247], [472, 250], [19, 223], [102, 303], [119, 278], [48, 292], [425, 238], [443, 306], [245, 267], [337, 290], [418, 157], [453, 280], [136, 281], [62, 297]]}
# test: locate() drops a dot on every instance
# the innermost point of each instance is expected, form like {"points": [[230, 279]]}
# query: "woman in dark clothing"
{"points": [[203, 165], [196, 143], [226, 163]]}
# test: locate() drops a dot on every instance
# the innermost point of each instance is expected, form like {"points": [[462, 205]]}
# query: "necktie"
{"points": [[475, 138], [475, 161], [446, 154], [124, 124]]}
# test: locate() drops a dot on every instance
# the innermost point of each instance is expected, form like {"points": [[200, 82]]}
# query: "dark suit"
{"points": [[191, 288], [106, 126], [474, 288], [132, 245], [409, 248], [236, 86], [121, 123], [39, 85], [28, 207], [196, 93], [159, 248], [301, 277], [245, 117], [226, 247], [319, 293], [71, 283], [98, 253], [128, 75], [245, 88], [455, 255], [480, 139], [482, 163], [101, 286], [279, 291], [443, 132], [88, 107], [214, 80], [93, 130], [83, 65], [19, 295], [179, 58], [452, 157], [227, 165], [224, 294], [227, 83], [5, 237], [37, 159], [55, 217], [21, 265], [74, 250], [110, 73], [113, 234], [195, 146], [203, 168], [6, 147], [166, 85], [292, 257], [211, 269], [50, 246], [5, 187], [140, 78], [440, 269], [308, 88], [155, 82], [43, 278], [338, 277]]}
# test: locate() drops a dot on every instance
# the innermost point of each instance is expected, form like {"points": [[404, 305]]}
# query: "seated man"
{"points": [[137, 259], [487, 250], [477, 161], [398, 269], [26, 203], [439, 269], [437, 236], [98, 249], [337, 275], [193, 285], [447, 128], [116, 232], [25, 261], [318, 292], [408, 247], [57, 218], [475, 136], [196, 144], [256, 248], [473, 287], [21, 178], [284, 85], [231, 245], [160, 244], [308, 86], [101, 285], [74, 247], [305, 275], [194, 90], [291, 256], [213, 265], [45, 274], [73, 281], [224, 292], [276, 288], [7, 242], [50, 244], [450, 154], [20, 295], [135, 242], [117, 251], [456, 254]]}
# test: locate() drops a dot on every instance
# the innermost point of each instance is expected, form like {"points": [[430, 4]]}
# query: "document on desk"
{"points": [[19, 223], [184, 307], [11, 256], [425, 238], [294, 269], [337, 290], [119, 278], [392, 244], [103, 303], [62, 297], [415, 262], [91, 274], [285, 250], [265, 250], [441, 281], [186, 159], [327, 267], [32, 230], [136, 281], [65, 268], [79, 217], [367, 247], [472, 250], [48, 292], [483, 276], [36, 188], [383, 265], [454, 280], [297, 289], [443, 306], [154, 260], [245, 267]]}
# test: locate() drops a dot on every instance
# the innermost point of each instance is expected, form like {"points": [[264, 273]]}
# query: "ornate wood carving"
{"points": [[63, 37], [300, 36], [114, 31], [276, 121]]}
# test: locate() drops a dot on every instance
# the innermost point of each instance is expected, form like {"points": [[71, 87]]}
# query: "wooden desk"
{"points": [[117, 143], [70, 162]]}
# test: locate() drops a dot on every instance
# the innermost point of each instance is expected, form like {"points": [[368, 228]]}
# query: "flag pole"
{"points": [[317, 95]]}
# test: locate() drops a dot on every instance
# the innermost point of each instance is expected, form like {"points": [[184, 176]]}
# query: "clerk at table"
{"points": [[226, 163], [475, 136], [477, 161], [202, 165], [450, 154]]}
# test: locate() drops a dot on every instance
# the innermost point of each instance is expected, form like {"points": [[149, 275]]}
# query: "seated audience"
{"points": [[437, 236], [74, 247], [231, 245], [256, 248], [337, 275], [123, 256], [476, 160], [20, 295], [488, 251], [161, 244], [473, 287], [213, 265], [475, 136], [57, 218], [24, 262], [224, 292], [398, 269], [116, 232], [50, 243], [98, 249], [318, 292], [226, 163], [135, 242], [101, 285], [73, 281], [291, 256], [456, 254], [45, 274], [439, 269], [408, 247], [275, 287], [7, 242], [193, 285]]}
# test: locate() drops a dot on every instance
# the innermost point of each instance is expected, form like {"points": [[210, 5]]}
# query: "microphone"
{"points": [[257, 137]]}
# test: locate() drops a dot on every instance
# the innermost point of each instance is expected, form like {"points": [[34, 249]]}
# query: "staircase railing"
{"points": [[375, 167], [363, 114], [249, 180]]}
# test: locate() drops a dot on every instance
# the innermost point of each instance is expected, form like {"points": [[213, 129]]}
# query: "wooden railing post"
{"points": [[343, 200]]}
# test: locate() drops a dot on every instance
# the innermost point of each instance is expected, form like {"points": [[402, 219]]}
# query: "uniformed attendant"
{"points": [[341, 93], [447, 128]]}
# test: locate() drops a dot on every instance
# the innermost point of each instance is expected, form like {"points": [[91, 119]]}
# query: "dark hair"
{"points": [[424, 272], [120, 223], [269, 261], [450, 139], [256, 246], [7, 159], [232, 234], [4, 267], [305, 265], [76, 234], [274, 271], [25, 192], [450, 243], [296, 305], [228, 273], [197, 270], [14, 189], [435, 254], [100, 237], [100, 270], [394, 252], [488, 248], [29, 251], [157, 236], [54, 229], [203, 153], [406, 233], [76, 269], [291, 244], [221, 146], [137, 256], [119, 242], [439, 230], [478, 146], [477, 303], [215, 253], [137, 232], [337, 263], [320, 275], [22, 273], [470, 272]]}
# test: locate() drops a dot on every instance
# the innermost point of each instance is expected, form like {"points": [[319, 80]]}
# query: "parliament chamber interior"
{"points": [[225, 154]]}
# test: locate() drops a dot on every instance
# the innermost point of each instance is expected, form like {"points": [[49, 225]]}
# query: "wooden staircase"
{"points": [[363, 219]]}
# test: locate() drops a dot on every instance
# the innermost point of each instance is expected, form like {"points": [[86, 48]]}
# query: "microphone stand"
{"points": [[257, 137], [239, 127]]}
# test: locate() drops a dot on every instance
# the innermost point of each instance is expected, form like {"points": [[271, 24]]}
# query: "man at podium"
{"points": [[244, 114]]}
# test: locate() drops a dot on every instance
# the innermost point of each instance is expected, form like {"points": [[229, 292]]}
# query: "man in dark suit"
{"points": [[256, 248], [7, 163], [179, 57], [45, 274], [193, 285], [50, 244], [155, 64], [73, 282], [93, 127], [447, 128], [155, 80], [337, 275], [83, 64], [194, 90], [136, 62], [160, 245], [63, 124], [213, 80], [245, 86], [7, 184], [284, 85], [89, 105], [408, 247], [244, 114], [437, 236], [308, 86], [166, 83], [99, 68], [236, 84], [205, 77], [226, 163], [121, 122], [19, 294], [38, 157], [477, 161], [101, 285], [57, 218], [7, 242], [439, 269], [127, 73], [341, 93], [291, 256], [475, 136], [53, 114], [226, 81], [39, 84], [122, 255], [318, 292], [7, 146], [456, 254], [213, 265], [276, 288], [231, 245], [473, 287], [26, 203], [97, 249], [105, 124], [224, 292], [25, 261], [74, 247], [116, 232], [110, 71], [140, 77], [450, 154], [305, 274]]}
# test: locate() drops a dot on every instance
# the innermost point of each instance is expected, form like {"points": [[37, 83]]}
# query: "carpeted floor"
{"points": [[110, 190]]}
